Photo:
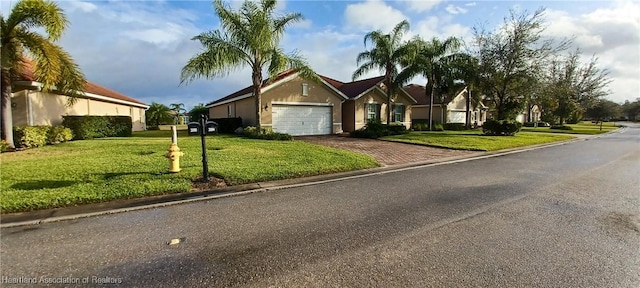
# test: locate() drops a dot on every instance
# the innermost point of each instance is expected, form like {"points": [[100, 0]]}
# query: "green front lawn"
{"points": [[100, 170], [586, 128], [473, 140]]}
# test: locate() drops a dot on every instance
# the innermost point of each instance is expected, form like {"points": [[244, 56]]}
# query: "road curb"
{"points": [[120, 206]]}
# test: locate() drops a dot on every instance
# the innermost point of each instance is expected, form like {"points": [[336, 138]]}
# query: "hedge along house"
{"points": [[453, 111], [297, 106], [32, 107]]}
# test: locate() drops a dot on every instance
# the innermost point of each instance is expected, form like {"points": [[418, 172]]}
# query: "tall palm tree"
{"points": [[433, 60], [178, 109], [247, 37], [22, 47], [387, 53]]}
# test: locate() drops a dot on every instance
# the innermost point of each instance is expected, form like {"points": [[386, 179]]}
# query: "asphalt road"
{"points": [[564, 216]]}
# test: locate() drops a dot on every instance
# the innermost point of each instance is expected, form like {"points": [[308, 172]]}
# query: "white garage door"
{"points": [[301, 120], [456, 117]]}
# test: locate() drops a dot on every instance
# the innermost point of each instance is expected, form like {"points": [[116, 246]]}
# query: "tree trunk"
{"points": [[6, 113], [388, 83], [257, 94], [431, 108], [467, 121]]}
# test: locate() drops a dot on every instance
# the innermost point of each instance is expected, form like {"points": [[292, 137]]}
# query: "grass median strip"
{"points": [[474, 140], [99, 170], [586, 128]]}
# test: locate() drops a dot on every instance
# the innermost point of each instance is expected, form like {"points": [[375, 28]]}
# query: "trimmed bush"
{"points": [[454, 126], [30, 136], [3, 146], [227, 125], [529, 124], [89, 127], [501, 127], [420, 127], [437, 127], [59, 134], [375, 129], [265, 134], [561, 127]]}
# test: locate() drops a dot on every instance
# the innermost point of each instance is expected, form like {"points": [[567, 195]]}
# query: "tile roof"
{"points": [[249, 89], [349, 89], [419, 93], [28, 75]]}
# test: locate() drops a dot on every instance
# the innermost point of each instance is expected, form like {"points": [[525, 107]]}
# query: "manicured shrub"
{"points": [[89, 127], [437, 127], [59, 134], [420, 127], [375, 129], [501, 127], [3, 146], [529, 124], [30, 136], [454, 126], [227, 125], [561, 127], [265, 134]]}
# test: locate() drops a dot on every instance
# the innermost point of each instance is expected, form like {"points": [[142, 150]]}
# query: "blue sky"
{"points": [[139, 47]]}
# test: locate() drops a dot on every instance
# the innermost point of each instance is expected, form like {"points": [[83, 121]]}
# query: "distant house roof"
{"points": [[419, 93], [351, 90], [28, 75]]}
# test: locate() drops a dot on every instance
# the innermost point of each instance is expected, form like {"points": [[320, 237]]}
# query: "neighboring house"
{"points": [[532, 115], [33, 107], [297, 106], [453, 111]]}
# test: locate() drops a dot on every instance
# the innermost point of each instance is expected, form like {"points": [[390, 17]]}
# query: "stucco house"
{"points": [[32, 107], [297, 106], [453, 111]]}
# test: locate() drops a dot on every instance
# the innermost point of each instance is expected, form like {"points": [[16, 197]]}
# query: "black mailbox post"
{"points": [[212, 127], [194, 128], [205, 163]]}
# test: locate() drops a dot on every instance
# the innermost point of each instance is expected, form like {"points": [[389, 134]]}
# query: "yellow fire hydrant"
{"points": [[174, 153]]}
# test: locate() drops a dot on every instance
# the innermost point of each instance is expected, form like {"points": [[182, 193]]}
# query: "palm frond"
{"points": [[38, 14]]}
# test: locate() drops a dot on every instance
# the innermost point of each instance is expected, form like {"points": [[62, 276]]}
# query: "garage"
{"points": [[299, 120]]}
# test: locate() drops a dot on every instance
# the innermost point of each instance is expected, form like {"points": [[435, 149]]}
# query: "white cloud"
{"points": [[455, 9], [470, 4], [613, 35], [83, 6], [421, 5], [372, 15]]}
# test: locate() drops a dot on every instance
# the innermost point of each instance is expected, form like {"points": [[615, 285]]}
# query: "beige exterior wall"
{"points": [[422, 112], [288, 92], [376, 96], [48, 109]]}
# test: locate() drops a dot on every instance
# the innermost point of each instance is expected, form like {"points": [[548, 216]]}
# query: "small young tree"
{"points": [[158, 114], [510, 57]]}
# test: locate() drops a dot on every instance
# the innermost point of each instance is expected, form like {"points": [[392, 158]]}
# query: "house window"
{"points": [[398, 113], [229, 111], [305, 89], [373, 112]]}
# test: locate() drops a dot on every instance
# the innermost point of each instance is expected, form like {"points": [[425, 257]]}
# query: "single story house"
{"points": [[32, 107], [298, 106], [453, 111], [530, 115]]}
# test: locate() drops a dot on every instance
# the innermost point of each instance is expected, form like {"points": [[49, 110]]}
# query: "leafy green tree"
{"points": [[23, 47], [386, 55], [631, 110], [604, 110], [249, 37], [441, 63], [194, 114], [575, 87], [158, 114], [511, 57]]}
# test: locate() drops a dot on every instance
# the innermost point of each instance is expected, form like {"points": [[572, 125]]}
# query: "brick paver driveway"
{"points": [[387, 153]]}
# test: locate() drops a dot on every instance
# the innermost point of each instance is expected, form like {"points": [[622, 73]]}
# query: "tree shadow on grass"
{"points": [[40, 184]]}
